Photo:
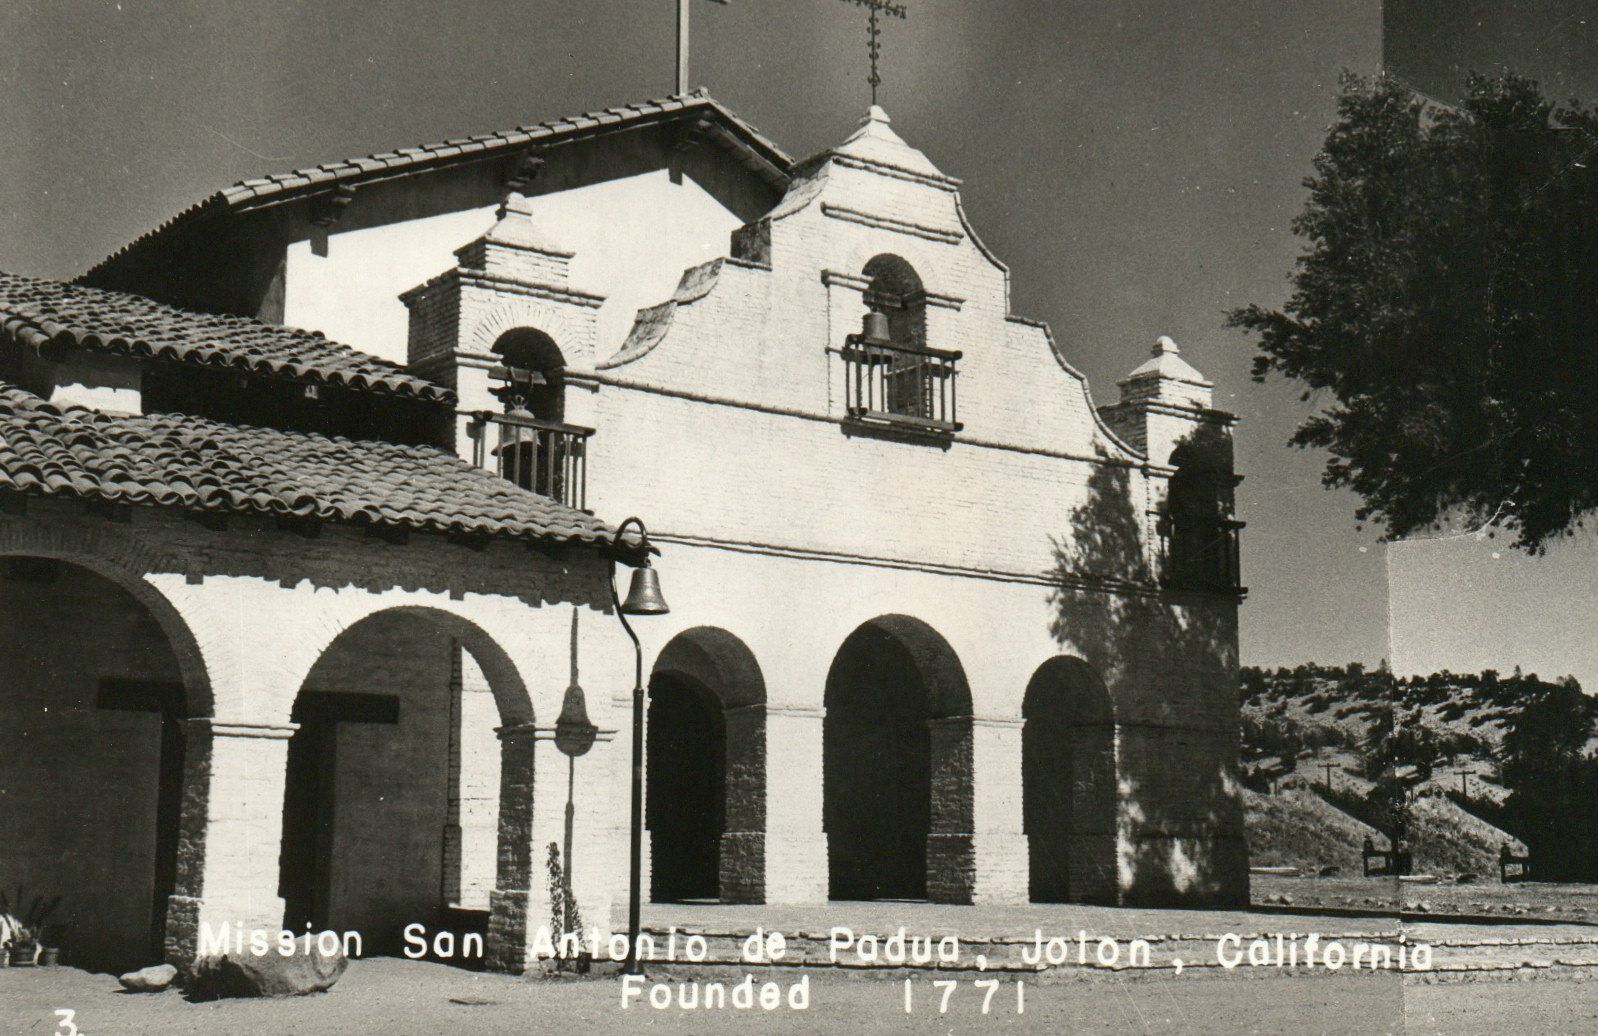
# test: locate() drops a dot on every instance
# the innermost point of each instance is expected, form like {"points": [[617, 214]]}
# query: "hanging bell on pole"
{"points": [[643, 595]]}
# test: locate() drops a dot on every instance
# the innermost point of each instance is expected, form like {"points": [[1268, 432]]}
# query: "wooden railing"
{"points": [[1201, 552], [900, 385], [542, 456]]}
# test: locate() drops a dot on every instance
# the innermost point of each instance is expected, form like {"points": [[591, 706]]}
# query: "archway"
{"points": [[707, 770], [373, 795], [897, 762], [534, 447], [100, 674], [895, 291], [534, 373], [1068, 784]]}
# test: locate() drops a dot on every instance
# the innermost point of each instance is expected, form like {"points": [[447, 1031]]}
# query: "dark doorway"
{"points": [[1068, 784], [686, 796], [305, 869], [1046, 792], [166, 701], [877, 759]]}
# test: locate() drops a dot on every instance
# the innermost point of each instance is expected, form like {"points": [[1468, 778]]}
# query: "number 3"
{"points": [[66, 1026]]}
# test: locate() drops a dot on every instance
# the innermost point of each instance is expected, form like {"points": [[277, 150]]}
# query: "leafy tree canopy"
{"points": [[1448, 301]]}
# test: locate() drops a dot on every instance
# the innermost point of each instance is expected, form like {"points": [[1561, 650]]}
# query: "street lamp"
{"points": [[643, 598]]}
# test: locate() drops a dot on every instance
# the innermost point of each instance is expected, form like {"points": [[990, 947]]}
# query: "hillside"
{"points": [[1325, 747], [1297, 828]]}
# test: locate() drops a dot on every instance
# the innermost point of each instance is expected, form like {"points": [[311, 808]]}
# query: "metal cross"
{"points": [[877, 8], [682, 42]]}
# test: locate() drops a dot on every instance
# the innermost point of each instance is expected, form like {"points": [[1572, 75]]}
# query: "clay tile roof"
{"points": [[179, 460], [38, 312], [772, 160]]}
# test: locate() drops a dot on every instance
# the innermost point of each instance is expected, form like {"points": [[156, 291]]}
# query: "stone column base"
{"points": [[506, 948], [951, 867], [743, 867], [1094, 869], [193, 924]]}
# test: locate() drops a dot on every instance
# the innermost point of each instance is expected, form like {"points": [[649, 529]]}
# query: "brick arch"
{"points": [[717, 668], [570, 332], [898, 722], [948, 692], [504, 678], [86, 657], [126, 562], [719, 660], [896, 291], [345, 611], [1069, 783], [516, 869]]}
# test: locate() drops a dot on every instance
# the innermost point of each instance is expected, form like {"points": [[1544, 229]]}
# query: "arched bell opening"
{"points": [[532, 374], [909, 382]]}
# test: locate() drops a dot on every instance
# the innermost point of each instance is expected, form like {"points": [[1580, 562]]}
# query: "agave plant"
{"points": [[21, 919]]}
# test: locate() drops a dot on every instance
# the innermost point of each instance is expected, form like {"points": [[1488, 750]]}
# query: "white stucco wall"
{"points": [[632, 237]]}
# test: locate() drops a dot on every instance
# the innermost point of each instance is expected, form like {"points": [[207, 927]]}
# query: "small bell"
{"points": [[876, 327], [643, 596]]}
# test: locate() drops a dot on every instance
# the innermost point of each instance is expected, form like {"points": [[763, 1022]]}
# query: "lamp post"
{"points": [[643, 598]]}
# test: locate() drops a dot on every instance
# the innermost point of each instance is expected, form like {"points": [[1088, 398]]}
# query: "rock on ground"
{"points": [[149, 980], [270, 974]]}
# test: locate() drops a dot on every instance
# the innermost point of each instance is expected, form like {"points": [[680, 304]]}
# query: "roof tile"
{"points": [[179, 460], [37, 312], [240, 194]]}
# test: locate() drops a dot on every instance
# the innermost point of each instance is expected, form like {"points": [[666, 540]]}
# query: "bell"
{"points": [[876, 328], [643, 596]]}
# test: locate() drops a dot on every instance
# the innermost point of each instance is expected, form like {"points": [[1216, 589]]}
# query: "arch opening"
{"points": [[100, 676], [706, 770], [895, 291], [1068, 784], [393, 809], [533, 374], [897, 759]]}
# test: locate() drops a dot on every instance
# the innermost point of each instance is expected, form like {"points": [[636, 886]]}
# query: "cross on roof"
{"points": [[877, 8]]}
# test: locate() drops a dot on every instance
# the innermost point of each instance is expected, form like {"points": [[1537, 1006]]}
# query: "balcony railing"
{"points": [[889, 384], [1201, 552], [542, 456]]}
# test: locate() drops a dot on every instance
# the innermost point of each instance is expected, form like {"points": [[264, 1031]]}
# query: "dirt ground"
{"points": [[406, 998], [409, 998], [1521, 899]]}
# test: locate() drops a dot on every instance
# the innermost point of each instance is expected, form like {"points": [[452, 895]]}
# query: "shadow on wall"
{"points": [[1167, 651]]}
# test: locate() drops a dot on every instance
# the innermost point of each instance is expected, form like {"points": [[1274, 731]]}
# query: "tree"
{"points": [[1553, 802], [1448, 301]]}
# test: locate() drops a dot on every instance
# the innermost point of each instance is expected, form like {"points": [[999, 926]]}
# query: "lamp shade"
{"points": [[643, 595]]}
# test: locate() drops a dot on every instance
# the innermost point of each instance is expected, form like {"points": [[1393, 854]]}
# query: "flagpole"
{"points": [[682, 46]]}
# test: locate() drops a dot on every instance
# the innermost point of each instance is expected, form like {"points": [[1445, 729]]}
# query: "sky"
{"points": [[1136, 164]]}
